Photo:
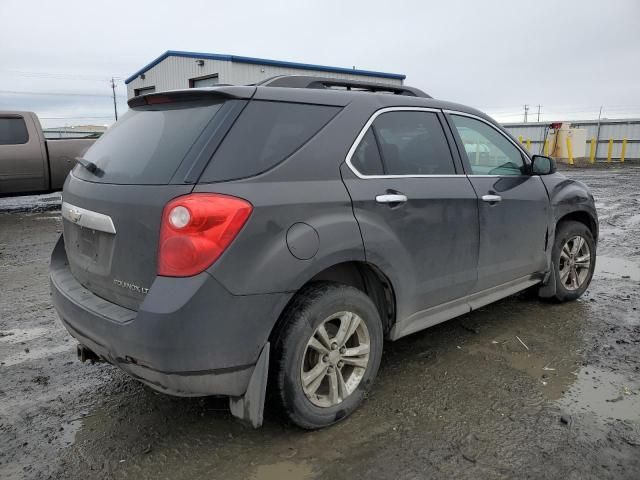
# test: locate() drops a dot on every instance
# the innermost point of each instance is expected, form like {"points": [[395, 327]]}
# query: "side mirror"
{"points": [[541, 165]]}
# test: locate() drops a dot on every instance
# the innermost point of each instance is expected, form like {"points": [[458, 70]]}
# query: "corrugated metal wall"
{"points": [[175, 72], [615, 129]]}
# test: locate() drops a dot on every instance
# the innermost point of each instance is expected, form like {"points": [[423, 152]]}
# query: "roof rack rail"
{"points": [[303, 81]]}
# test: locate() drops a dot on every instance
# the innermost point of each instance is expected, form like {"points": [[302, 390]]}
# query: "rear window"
{"points": [[147, 144], [13, 131], [264, 135]]}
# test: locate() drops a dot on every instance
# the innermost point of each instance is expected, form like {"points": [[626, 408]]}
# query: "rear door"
{"points": [[513, 204], [22, 155], [112, 215], [416, 209]]}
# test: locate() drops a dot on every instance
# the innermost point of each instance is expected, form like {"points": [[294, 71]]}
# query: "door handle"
{"points": [[391, 198], [492, 198]]}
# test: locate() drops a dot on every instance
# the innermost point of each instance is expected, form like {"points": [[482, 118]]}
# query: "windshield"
{"points": [[147, 145]]}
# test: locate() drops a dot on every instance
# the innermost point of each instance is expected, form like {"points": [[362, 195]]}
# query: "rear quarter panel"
{"points": [[305, 188]]}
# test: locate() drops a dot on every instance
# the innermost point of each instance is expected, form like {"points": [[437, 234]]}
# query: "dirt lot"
{"points": [[465, 399]]}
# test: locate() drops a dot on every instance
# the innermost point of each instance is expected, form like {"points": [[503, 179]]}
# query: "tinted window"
{"points": [[366, 159], [147, 145], [413, 143], [489, 152], [264, 135], [13, 131]]}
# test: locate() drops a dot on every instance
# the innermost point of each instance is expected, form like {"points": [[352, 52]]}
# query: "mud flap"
{"points": [[548, 288], [250, 407]]}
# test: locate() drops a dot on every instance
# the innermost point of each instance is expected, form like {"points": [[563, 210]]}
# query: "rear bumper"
{"points": [[190, 337]]}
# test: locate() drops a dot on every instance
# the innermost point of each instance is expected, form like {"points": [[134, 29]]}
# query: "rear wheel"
{"points": [[327, 354], [574, 258]]}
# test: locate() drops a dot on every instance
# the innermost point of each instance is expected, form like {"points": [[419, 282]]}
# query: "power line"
{"points": [[61, 94], [67, 76]]}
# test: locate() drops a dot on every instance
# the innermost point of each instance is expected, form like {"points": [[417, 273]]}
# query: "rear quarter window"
{"points": [[13, 131], [265, 134]]}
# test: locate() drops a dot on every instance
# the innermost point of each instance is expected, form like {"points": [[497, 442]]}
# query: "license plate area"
{"points": [[87, 243], [89, 249]]}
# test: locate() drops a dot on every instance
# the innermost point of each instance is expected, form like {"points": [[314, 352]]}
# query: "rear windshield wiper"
{"points": [[89, 166]]}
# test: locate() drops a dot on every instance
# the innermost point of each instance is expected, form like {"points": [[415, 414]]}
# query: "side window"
{"points": [[144, 91], [206, 81], [265, 134], [489, 152], [413, 143], [13, 131], [366, 158]]}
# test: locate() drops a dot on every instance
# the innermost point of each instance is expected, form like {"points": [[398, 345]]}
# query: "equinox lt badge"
{"points": [[130, 286]]}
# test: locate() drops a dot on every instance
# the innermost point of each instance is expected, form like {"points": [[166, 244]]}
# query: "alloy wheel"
{"points": [[335, 359], [575, 263]]}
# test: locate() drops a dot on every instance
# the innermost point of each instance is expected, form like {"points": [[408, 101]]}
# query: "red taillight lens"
{"points": [[196, 229]]}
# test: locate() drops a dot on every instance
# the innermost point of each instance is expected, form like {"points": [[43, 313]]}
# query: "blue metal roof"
{"points": [[262, 61]]}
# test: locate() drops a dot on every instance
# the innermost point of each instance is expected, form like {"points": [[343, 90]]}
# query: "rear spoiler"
{"points": [[193, 95]]}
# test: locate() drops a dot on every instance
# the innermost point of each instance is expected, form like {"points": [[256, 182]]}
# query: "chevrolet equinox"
{"points": [[217, 238]]}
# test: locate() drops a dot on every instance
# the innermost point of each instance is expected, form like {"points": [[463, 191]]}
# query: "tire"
{"points": [[566, 289], [330, 305]]}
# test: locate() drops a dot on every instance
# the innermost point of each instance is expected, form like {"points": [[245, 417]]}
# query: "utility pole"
{"points": [[526, 112], [539, 107], [115, 106], [598, 131]]}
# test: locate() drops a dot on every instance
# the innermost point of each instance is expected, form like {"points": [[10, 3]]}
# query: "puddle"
{"points": [[282, 471], [552, 370], [611, 267], [69, 430], [30, 203], [608, 395]]}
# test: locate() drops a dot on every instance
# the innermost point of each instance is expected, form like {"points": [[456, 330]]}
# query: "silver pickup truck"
{"points": [[29, 163]]}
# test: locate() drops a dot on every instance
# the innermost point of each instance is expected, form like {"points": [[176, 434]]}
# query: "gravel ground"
{"points": [[465, 399]]}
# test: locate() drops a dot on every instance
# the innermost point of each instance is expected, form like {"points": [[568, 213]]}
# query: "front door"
{"points": [[513, 205], [416, 209]]}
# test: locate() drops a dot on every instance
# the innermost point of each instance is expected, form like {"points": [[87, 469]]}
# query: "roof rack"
{"points": [[303, 81]]}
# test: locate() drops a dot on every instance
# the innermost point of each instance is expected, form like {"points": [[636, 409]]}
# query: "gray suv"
{"points": [[217, 238]]}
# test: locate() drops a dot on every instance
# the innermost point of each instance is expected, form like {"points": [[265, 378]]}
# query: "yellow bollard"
{"points": [[610, 150], [520, 139], [592, 152], [569, 150], [624, 150], [545, 148], [528, 144]]}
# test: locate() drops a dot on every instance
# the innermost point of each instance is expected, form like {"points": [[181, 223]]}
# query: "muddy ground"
{"points": [[465, 399]]}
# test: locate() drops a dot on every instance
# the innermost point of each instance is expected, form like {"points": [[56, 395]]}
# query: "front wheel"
{"points": [[327, 354], [574, 259]]}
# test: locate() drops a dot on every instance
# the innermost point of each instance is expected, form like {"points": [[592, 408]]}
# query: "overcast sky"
{"points": [[569, 56]]}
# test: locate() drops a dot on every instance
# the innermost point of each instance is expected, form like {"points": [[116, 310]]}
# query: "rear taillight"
{"points": [[196, 229]]}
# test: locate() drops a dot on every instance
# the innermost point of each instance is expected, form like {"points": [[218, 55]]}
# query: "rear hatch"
{"points": [[113, 202]]}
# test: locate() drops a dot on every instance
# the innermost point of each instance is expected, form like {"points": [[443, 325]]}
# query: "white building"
{"points": [[175, 69]]}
